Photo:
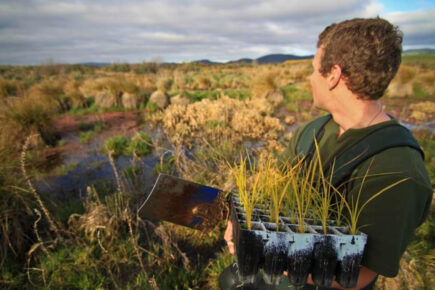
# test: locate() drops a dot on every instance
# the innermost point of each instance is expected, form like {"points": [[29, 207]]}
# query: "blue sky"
{"points": [[75, 31], [406, 6]]}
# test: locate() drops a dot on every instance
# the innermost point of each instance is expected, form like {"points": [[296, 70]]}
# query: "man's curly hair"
{"points": [[368, 52]]}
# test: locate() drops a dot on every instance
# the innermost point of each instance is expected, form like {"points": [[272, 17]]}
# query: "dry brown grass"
{"points": [[264, 84], [423, 111], [427, 80], [406, 74], [21, 117], [72, 91], [222, 119], [112, 86], [9, 88], [51, 93], [203, 82], [179, 80]]}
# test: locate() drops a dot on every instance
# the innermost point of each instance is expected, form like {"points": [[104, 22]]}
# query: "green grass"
{"points": [[139, 145], [242, 94], [90, 130], [197, 96], [292, 107], [116, 145], [152, 107], [419, 92], [423, 60], [292, 93], [216, 266], [166, 165], [86, 137], [61, 143]]}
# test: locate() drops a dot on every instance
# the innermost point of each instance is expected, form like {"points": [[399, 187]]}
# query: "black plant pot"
{"points": [[325, 261], [274, 251], [348, 270], [275, 260]]}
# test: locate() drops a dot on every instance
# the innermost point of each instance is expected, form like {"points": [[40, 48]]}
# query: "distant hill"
{"points": [[270, 58], [246, 60], [419, 51], [95, 63], [278, 58], [205, 61]]}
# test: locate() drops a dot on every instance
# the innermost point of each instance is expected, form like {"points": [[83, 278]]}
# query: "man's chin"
{"points": [[319, 107]]}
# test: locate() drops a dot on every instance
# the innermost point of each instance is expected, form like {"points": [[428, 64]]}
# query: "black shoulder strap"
{"points": [[305, 143], [393, 135]]}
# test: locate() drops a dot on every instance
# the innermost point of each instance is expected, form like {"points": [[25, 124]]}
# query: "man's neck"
{"points": [[358, 114]]}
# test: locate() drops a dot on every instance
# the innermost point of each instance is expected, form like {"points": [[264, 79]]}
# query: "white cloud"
{"points": [[79, 31]]}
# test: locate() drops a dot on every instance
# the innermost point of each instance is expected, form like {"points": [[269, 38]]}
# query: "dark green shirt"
{"points": [[391, 218]]}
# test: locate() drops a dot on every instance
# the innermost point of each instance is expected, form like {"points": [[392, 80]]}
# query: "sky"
{"points": [[77, 31]]}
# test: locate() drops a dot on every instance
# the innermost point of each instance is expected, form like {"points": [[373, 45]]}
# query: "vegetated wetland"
{"points": [[81, 147]]}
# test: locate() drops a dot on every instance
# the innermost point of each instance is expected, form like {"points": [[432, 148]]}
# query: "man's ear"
{"points": [[334, 76]]}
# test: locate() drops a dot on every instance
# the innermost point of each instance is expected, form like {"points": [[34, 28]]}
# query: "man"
{"points": [[354, 63]]}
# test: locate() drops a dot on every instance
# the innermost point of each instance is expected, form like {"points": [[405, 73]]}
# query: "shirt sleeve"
{"points": [[390, 219]]}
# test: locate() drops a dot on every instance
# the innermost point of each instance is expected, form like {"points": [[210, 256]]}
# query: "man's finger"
{"points": [[229, 232], [230, 247]]}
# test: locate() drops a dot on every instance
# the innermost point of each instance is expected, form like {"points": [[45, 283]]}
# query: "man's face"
{"points": [[319, 83]]}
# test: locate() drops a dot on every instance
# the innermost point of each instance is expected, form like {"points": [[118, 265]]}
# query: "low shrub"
{"points": [[140, 145], [116, 145]]}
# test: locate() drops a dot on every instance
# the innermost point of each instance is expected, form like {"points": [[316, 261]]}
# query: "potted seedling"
{"points": [[349, 257], [273, 227], [275, 186], [249, 245]]}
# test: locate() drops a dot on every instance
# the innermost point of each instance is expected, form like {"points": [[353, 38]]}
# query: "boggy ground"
{"points": [[98, 240]]}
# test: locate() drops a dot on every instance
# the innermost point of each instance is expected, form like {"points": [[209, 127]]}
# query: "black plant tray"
{"points": [[323, 255]]}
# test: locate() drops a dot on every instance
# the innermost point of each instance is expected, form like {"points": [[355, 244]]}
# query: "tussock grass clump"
{"points": [[16, 215], [233, 120], [72, 91], [21, 117], [164, 81], [109, 85], [405, 74], [203, 82], [264, 84], [9, 88], [52, 93], [179, 80]]}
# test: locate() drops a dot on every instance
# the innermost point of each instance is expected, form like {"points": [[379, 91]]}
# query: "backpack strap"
{"points": [[383, 138], [305, 143]]}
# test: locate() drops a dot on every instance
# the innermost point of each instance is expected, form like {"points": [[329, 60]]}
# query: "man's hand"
{"points": [[229, 237]]}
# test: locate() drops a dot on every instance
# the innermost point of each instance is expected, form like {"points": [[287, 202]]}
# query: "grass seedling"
{"points": [[356, 207], [275, 186], [301, 189], [324, 191], [247, 181]]}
